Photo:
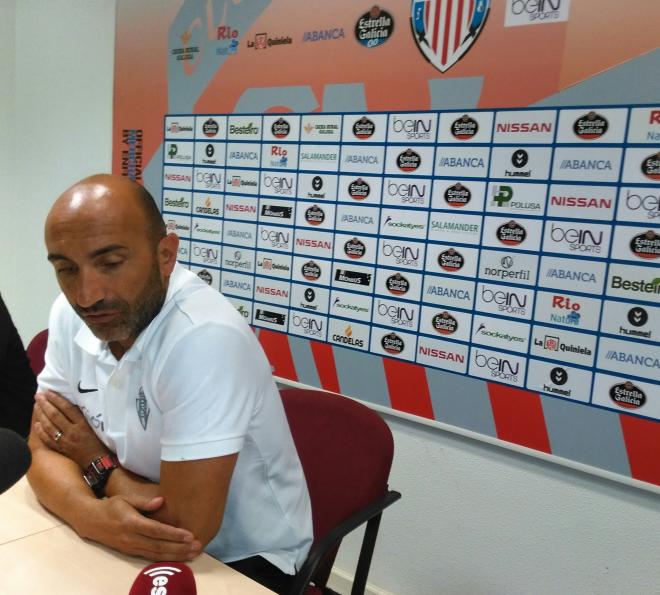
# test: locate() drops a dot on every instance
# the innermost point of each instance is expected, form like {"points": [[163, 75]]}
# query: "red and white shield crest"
{"points": [[446, 29]]}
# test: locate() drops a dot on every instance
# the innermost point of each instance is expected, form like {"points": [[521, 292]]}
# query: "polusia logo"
{"points": [[142, 407]]}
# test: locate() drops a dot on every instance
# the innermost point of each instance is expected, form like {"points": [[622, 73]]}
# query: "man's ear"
{"points": [[168, 250]]}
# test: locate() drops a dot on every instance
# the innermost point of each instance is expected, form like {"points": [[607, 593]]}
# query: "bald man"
{"points": [[158, 429]]}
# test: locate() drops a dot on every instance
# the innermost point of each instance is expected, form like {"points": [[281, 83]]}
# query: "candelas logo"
{"points": [[511, 233], [392, 343], [627, 395], [464, 128], [364, 128], [347, 338], [646, 245], [408, 161], [590, 126]]}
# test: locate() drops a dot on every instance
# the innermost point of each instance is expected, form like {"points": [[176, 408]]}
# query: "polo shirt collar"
{"points": [[86, 340]]}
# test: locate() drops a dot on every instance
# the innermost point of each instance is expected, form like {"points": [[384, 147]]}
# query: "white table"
{"points": [[40, 554]]}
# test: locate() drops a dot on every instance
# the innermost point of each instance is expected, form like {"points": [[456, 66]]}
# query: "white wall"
{"points": [[63, 53], [474, 519]]}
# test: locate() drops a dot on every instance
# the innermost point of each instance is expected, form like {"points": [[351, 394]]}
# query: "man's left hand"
{"points": [[62, 427]]}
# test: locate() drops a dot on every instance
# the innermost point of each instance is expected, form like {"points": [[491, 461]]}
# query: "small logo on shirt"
{"points": [[142, 408], [82, 390]]}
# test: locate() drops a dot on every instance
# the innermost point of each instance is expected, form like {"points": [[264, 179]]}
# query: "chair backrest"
{"points": [[36, 351], [346, 453]]}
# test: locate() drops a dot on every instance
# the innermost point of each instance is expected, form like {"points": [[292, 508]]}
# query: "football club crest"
{"points": [[446, 29]]}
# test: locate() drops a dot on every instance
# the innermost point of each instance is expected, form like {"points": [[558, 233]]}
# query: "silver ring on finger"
{"points": [[58, 435]]}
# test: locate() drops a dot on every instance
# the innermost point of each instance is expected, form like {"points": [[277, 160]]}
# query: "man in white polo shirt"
{"points": [[157, 395]]}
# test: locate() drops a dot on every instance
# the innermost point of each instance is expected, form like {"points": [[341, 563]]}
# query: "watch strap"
{"points": [[98, 472]]}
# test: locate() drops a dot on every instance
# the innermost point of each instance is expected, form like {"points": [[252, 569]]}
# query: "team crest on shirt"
{"points": [[142, 408], [446, 29]]}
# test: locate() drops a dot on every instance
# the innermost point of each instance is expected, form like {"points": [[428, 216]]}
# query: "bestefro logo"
{"points": [[374, 28], [627, 395]]}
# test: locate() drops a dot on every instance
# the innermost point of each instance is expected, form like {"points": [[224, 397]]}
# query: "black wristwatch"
{"points": [[98, 471]]}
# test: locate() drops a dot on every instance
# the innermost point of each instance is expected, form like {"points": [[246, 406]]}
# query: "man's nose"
{"points": [[90, 288]]}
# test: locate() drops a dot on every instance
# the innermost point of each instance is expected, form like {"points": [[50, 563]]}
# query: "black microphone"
{"points": [[164, 578], [15, 458]]}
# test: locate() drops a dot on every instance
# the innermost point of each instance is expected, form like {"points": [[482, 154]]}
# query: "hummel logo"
{"points": [[638, 316], [519, 158], [558, 376], [82, 390]]}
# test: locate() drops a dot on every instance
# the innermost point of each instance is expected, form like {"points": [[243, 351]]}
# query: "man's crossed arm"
{"points": [[172, 520]]}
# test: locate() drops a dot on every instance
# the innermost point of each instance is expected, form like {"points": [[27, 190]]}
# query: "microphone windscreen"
{"points": [[15, 458], [164, 578]]}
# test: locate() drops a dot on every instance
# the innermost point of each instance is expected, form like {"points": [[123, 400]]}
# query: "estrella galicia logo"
{"points": [[590, 126], [355, 248], [457, 196], [651, 167], [204, 275], [364, 128], [446, 30], [314, 215], [143, 409], [374, 28], [627, 395], [280, 128], [392, 343], [511, 233], [359, 189], [646, 245], [444, 323], [408, 160], [397, 284], [311, 271], [464, 128], [451, 260], [210, 128]]}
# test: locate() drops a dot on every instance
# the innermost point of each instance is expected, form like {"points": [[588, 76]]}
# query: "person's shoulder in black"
{"points": [[17, 381]]}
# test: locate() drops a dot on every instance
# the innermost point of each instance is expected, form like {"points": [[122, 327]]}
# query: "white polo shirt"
{"points": [[195, 384]]}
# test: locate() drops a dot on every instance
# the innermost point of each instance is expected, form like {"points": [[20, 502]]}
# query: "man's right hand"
{"points": [[119, 522]]}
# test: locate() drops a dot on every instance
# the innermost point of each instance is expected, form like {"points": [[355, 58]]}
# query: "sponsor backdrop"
{"points": [[446, 208]]}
